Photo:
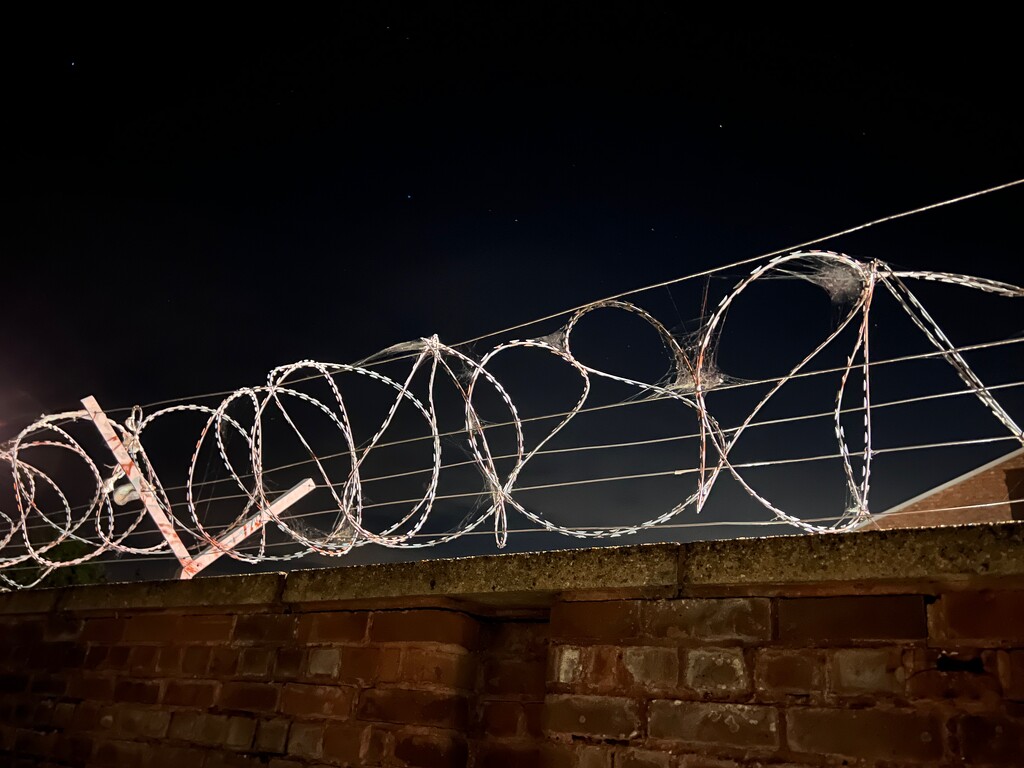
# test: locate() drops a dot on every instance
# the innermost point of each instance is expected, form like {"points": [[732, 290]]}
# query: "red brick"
{"points": [[730, 725], [62, 626], [191, 693], [863, 671], [642, 758], [205, 629], [103, 630], [272, 735], [91, 686], [306, 740], [782, 673], [991, 740], [872, 734], [565, 664], [502, 676], [152, 628], [396, 705], [289, 663], [195, 660], [367, 665], [203, 728], [223, 661], [324, 662], [616, 620], [250, 697], [604, 717], [72, 748], [717, 672], [340, 627], [344, 743], [501, 718], [651, 668], [1011, 673], [316, 700], [170, 660], [265, 628], [519, 639], [435, 667], [255, 662], [829, 620], [142, 660], [131, 722], [977, 618], [140, 691], [241, 731], [520, 755], [63, 715], [121, 754], [436, 750], [424, 626], [594, 757], [734, 619]]}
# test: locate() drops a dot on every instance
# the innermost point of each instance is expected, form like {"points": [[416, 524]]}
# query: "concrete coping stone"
{"points": [[943, 554]]}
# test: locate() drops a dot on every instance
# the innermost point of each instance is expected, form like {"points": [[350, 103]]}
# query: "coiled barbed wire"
{"points": [[693, 374]]}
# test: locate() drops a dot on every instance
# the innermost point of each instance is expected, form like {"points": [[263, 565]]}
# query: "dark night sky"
{"points": [[191, 204]]}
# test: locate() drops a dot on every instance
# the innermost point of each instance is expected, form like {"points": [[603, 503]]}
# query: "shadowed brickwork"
{"points": [[646, 659]]}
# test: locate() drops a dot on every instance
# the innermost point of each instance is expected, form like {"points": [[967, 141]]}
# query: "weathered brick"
{"points": [[130, 722], [223, 661], [142, 660], [191, 693], [72, 748], [717, 672], [240, 733], [152, 628], [200, 728], [195, 660], [103, 630], [324, 662], [205, 629], [339, 627], [861, 671], [1011, 673], [316, 700], [651, 668], [306, 739], [501, 718], [289, 663], [616, 620], [991, 740], [62, 626], [265, 628], [977, 618], [255, 662], [506, 676], [434, 750], [873, 734], [782, 673], [742, 620], [424, 626], [395, 705], [139, 691], [272, 735], [169, 661], [599, 716], [344, 743], [366, 666], [829, 620], [251, 697], [731, 725], [63, 715], [120, 754], [565, 664], [642, 758], [594, 757]]}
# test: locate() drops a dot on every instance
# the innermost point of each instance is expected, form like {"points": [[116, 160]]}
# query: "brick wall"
{"points": [[894, 673], [1002, 481]]}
